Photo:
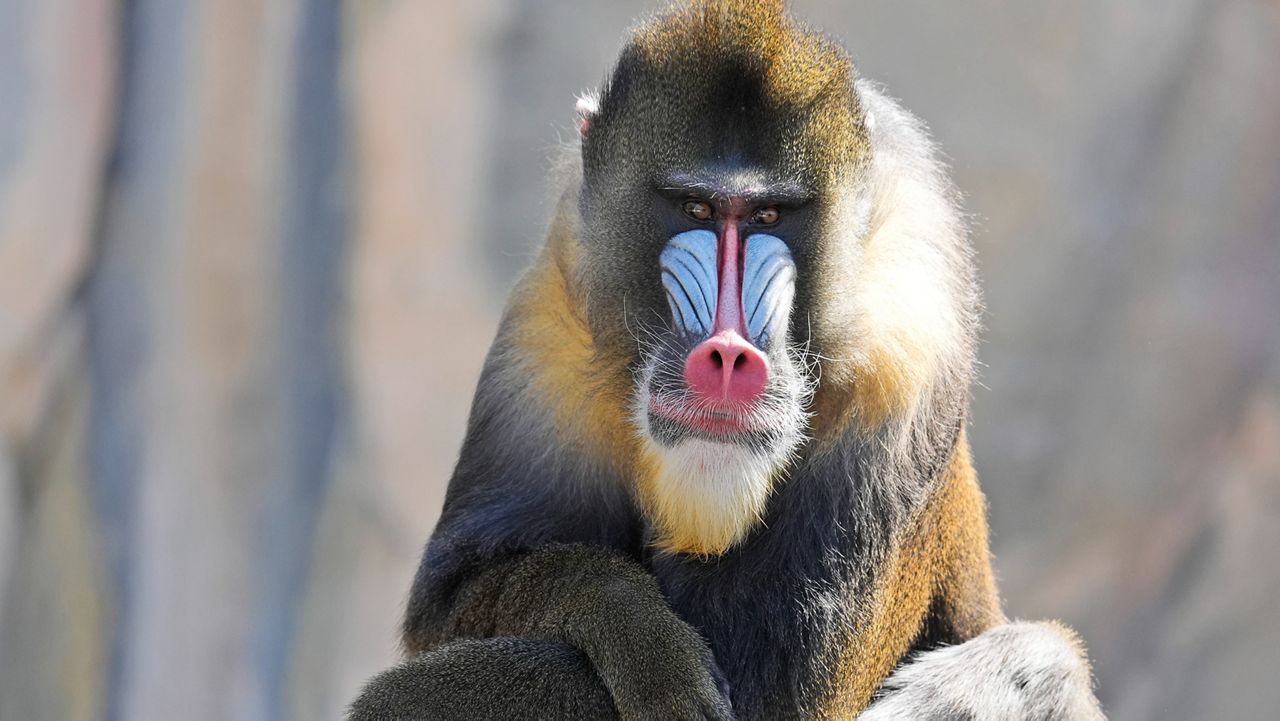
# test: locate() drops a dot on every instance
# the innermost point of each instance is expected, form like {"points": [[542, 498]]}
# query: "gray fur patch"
{"points": [[1015, 672]]}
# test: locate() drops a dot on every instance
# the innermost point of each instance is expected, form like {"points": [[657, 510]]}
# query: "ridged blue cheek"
{"points": [[768, 286], [689, 277]]}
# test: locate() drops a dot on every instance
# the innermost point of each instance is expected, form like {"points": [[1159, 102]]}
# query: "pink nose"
{"points": [[726, 367]]}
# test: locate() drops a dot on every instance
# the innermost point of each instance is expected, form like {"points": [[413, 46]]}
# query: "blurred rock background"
{"points": [[252, 253]]}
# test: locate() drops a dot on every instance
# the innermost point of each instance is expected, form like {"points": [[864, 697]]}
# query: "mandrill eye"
{"points": [[766, 216], [697, 209]]}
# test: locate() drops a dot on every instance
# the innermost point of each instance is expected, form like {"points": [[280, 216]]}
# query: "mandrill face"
{"points": [[704, 251], [721, 387]]}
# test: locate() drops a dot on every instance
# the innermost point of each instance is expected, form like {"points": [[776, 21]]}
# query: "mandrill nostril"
{"points": [[727, 368]]}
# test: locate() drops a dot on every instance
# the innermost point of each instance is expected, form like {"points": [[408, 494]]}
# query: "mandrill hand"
{"points": [[657, 667], [654, 664]]}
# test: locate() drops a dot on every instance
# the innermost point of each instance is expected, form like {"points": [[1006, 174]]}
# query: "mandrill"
{"points": [[716, 463]]}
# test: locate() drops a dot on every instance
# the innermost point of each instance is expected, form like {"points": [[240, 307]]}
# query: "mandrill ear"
{"points": [[586, 108]]}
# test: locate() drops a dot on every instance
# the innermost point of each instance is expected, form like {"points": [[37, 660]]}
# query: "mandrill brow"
{"points": [[716, 463]]}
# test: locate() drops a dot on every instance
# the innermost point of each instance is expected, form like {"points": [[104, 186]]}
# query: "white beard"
{"points": [[703, 497]]}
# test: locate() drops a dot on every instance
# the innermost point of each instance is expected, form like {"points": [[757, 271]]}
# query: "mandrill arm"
{"points": [[971, 662], [568, 632]]}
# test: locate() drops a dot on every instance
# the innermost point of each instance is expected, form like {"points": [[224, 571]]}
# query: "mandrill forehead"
{"points": [[724, 181]]}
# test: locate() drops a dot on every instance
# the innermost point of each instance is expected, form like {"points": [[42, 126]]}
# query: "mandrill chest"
{"points": [[778, 608], [796, 614]]}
